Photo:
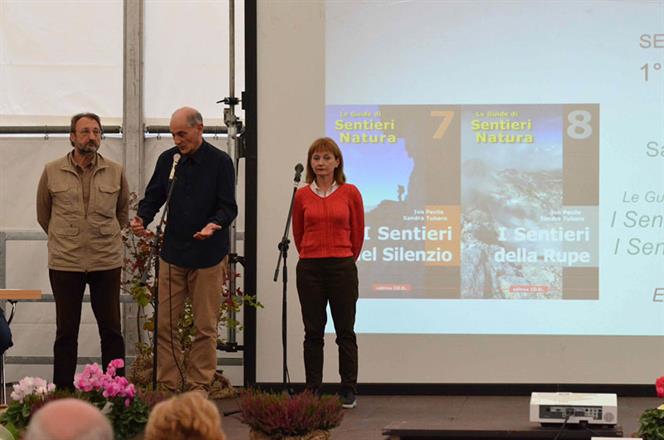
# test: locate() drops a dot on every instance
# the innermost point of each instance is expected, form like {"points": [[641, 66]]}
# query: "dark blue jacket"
{"points": [[203, 192]]}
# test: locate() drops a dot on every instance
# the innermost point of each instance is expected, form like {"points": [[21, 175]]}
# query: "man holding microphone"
{"points": [[193, 258]]}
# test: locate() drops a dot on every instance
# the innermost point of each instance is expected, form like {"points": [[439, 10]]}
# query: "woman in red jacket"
{"points": [[328, 230]]}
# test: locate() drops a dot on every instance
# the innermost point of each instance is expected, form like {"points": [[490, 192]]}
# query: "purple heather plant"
{"points": [[284, 415]]}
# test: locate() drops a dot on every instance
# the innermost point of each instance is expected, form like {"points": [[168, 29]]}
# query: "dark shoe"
{"points": [[348, 399]]}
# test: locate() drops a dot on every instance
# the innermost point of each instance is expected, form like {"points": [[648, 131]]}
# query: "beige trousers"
{"points": [[204, 287]]}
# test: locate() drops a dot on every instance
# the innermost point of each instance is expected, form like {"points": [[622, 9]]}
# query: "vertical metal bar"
{"points": [[231, 122], [231, 48], [132, 112], [250, 179], [133, 133]]}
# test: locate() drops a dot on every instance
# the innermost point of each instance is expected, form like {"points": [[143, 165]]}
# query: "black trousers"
{"points": [[5, 333], [68, 289], [321, 281]]}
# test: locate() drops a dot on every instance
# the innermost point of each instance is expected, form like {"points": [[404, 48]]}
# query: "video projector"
{"points": [[556, 408]]}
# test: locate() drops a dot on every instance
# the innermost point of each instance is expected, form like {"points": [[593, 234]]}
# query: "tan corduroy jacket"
{"points": [[80, 241]]}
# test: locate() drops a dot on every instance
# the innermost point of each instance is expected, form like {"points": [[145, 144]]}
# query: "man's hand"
{"points": [[137, 227], [207, 231]]}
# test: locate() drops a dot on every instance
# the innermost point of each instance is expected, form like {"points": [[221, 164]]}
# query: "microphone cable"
{"points": [[171, 178], [170, 324], [562, 428]]}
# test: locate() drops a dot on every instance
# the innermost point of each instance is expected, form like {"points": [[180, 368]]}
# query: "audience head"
{"points": [[188, 416], [69, 419]]}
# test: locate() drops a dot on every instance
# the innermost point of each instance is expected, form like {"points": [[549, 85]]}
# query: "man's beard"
{"points": [[89, 148]]}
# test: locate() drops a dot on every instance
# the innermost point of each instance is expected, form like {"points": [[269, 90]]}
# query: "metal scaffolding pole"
{"points": [[235, 151], [132, 135]]}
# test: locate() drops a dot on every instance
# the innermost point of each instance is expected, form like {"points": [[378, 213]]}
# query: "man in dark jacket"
{"points": [[196, 242]]}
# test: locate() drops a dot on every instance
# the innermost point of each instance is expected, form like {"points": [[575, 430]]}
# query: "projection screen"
{"points": [[510, 157]]}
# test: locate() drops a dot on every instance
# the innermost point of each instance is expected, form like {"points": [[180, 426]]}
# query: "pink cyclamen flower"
{"points": [[113, 366], [112, 390], [659, 386], [131, 391], [90, 379], [93, 379]]}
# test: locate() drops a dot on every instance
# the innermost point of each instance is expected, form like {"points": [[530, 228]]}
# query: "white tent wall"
{"points": [[58, 58], [33, 327], [186, 57]]}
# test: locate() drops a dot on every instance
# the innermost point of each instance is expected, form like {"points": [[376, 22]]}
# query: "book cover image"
{"points": [[473, 202], [405, 161], [520, 238]]}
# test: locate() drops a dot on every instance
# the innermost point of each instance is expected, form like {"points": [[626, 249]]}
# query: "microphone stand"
{"points": [[154, 257], [283, 255]]}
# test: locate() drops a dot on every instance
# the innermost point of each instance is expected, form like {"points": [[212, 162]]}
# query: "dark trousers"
{"points": [[68, 289], [321, 281], [5, 333]]}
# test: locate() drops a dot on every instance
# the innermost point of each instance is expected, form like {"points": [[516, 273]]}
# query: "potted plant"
{"points": [[303, 416], [651, 422], [114, 395]]}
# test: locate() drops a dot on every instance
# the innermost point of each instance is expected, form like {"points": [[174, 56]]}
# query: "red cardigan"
{"points": [[332, 226]]}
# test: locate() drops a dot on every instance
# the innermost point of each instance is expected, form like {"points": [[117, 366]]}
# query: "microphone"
{"points": [[298, 172], [176, 159]]}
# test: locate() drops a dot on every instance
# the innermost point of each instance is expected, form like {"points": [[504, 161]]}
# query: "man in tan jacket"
{"points": [[82, 203]]}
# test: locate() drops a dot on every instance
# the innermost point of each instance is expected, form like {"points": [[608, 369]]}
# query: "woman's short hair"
{"points": [[322, 145], [187, 416]]}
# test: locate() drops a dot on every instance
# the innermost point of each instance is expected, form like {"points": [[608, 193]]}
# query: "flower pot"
{"points": [[314, 435]]}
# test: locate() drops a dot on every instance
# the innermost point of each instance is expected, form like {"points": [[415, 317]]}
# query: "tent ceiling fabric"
{"points": [[59, 57]]}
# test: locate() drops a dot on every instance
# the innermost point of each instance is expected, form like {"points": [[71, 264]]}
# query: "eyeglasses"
{"points": [[88, 132]]}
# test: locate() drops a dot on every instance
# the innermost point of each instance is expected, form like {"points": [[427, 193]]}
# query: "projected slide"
{"points": [[511, 160], [475, 201]]}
